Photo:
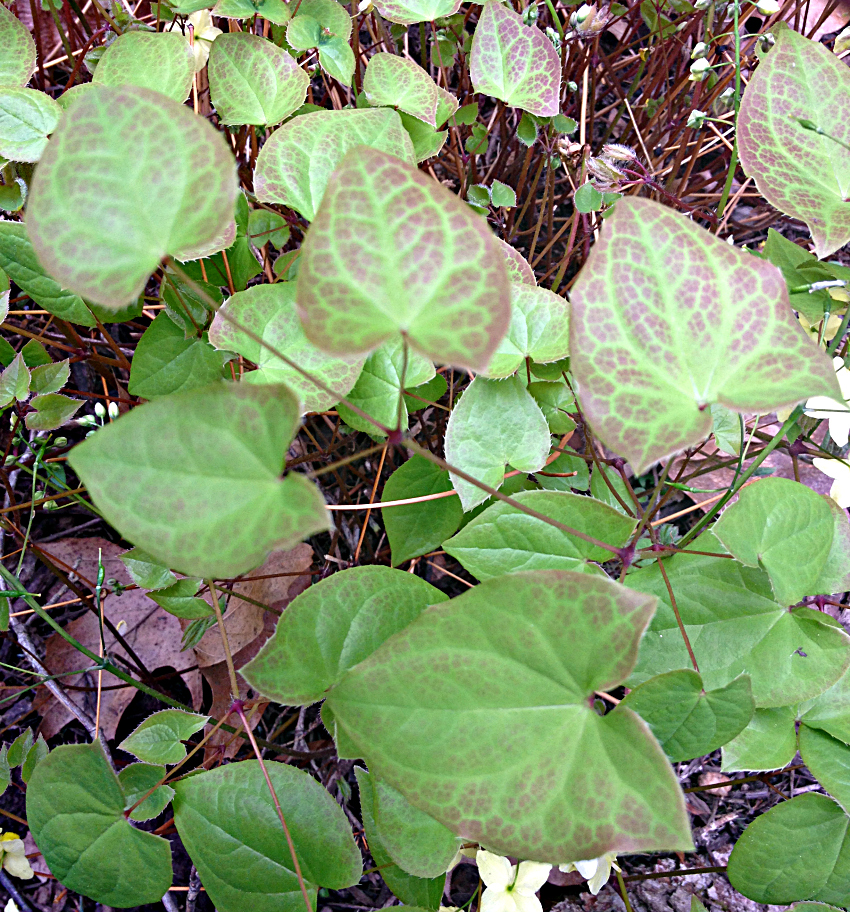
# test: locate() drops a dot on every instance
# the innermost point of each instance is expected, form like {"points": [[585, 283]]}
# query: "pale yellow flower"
{"points": [[836, 412], [203, 35], [510, 888], [840, 472], [595, 871], [13, 856]]}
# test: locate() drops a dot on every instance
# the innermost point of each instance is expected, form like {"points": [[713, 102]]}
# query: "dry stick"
{"points": [[231, 671], [239, 709]]}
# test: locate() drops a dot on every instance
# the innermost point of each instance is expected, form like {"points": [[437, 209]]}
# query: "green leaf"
{"points": [[303, 32], [565, 462], [828, 759], [652, 347], [35, 354], [495, 423], [514, 62], [769, 742], [503, 195], [835, 575], [173, 476], [410, 12], [504, 540], [697, 906], [425, 893], [555, 401], [19, 748], [337, 59], [602, 490], [105, 206], [494, 687], [34, 756], [784, 527], [18, 260], [252, 81], [379, 386], [587, 198], [564, 124], [232, 832], [49, 378], [14, 382], [146, 572], [333, 17], [296, 162], [159, 738], [265, 227], [735, 627], [527, 130], [27, 118], [688, 720], [421, 396], [830, 710], [166, 362], [268, 311], [6, 771], [180, 600], [728, 429], [18, 61], [415, 529], [160, 61], [75, 809], [797, 850], [540, 330], [335, 624], [426, 142], [400, 83], [392, 251], [415, 841], [51, 411], [797, 266], [137, 780], [184, 304], [802, 173]]}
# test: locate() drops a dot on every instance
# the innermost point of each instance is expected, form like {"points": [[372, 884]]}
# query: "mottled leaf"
{"points": [[409, 12], [274, 10], [18, 61], [400, 83], [27, 118], [519, 269], [160, 61], [666, 320]]}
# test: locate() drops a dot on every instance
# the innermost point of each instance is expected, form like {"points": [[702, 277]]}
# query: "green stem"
{"points": [[733, 161]]}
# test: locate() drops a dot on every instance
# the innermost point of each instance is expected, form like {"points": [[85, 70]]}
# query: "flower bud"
{"points": [[113, 410], [702, 5], [696, 119], [618, 152], [699, 70], [99, 410], [768, 7], [60, 442], [530, 14], [701, 49]]}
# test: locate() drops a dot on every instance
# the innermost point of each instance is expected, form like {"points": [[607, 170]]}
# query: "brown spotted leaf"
{"points": [[667, 320]]}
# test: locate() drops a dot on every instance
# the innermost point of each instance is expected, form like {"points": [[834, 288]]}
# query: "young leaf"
{"points": [[828, 759], [415, 529], [51, 411], [274, 10], [296, 162], [830, 710], [333, 17], [768, 742], [728, 429], [181, 600], [400, 83], [231, 830], [160, 61], [137, 780], [14, 382], [269, 312], [129, 176], [515, 63], [774, 860], [495, 423], [786, 528], [75, 809], [423, 893], [522, 777], [27, 118], [688, 720], [332, 626], [49, 378], [540, 330], [504, 540], [804, 173], [266, 227], [18, 260], [411, 12], [18, 61], [252, 81], [158, 739], [146, 572], [555, 401], [587, 198], [174, 474], [683, 321], [503, 195], [34, 756], [519, 269], [19, 748], [392, 251], [736, 627], [426, 141]]}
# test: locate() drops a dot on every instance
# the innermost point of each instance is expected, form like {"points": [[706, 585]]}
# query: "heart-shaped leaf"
{"points": [[768, 742], [159, 738], [105, 206], [137, 780], [295, 164], [27, 118], [496, 423], [409, 12], [804, 173], [231, 830], [174, 474], [252, 81], [514, 62], [52, 410], [268, 311], [667, 319], [479, 713], [75, 810], [160, 61], [400, 83], [18, 61], [334, 625], [392, 252]]}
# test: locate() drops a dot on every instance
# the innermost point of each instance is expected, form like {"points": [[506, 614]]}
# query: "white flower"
{"points": [[837, 413], [13, 856], [696, 119], [701, 49], [596, 870], [699, 70], [11, 906], [510, 888], [204, 35], [840, 471], [767, 7]]}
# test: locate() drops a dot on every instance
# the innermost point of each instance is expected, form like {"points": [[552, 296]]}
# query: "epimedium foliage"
{"points": [[475, 715]]}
